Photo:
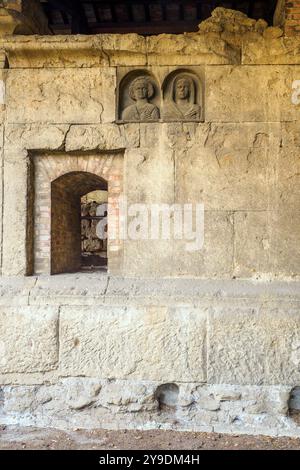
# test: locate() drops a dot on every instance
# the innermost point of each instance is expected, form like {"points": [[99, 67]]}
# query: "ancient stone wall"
{"points": [[207, 339]]}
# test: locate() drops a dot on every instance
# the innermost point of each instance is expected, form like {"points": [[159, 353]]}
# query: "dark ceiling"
{"points": [[142, 16]]}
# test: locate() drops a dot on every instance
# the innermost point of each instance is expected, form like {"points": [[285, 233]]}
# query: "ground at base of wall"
{"points": [[16, 438]]}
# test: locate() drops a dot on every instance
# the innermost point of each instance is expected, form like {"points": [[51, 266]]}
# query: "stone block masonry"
{"points": [[86, 351], [202, 340]]}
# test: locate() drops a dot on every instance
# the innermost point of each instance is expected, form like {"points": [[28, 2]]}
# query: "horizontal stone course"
{"points": [[88, 289], [248, 332], [212, 47], [134, 404], [152, 343]]}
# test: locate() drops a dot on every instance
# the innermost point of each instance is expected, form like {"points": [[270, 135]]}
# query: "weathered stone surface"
{"points": [[129, 49], [149, 175], [214, 257], [190, 49], [76, 51], [176, 136], [69, 289], [228, 37], [286, 182], [286, 244], [233, 94], [228, 178], [61, 96], [290, 135], [149, 257], [55, 52], [28, 339], [139, 396], [15, 292], [253, 244], [240, 136], [267, 242], [15, 206], [35, 136], [114, 404], [84, 289], [254, 344], [23, 17], [150, 343], [267, 50], [273, 32], [3, 76], [102, 137], [227, 20], [182, 257], [82, 393], [120, 50]]}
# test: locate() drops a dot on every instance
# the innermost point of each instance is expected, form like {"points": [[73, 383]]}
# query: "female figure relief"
{"points": [[181, 105], [141, 91]]}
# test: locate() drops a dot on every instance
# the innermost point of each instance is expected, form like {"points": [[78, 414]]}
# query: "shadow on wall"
{"points": [[294, 405], [167, 396]]}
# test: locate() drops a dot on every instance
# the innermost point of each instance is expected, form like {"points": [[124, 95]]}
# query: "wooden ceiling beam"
{"points": [[96, 12], [79, 20], [174, 27], [74, 8], [80, 23]]}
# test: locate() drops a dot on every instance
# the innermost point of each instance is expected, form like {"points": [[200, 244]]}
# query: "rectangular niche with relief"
{"points": [[160, 94]]}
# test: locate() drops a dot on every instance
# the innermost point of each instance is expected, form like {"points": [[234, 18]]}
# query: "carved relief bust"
{"points": [[181, 104], [141, 90]]}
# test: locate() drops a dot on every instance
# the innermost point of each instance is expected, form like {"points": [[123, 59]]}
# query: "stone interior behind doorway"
{"points": [[93, 250]]}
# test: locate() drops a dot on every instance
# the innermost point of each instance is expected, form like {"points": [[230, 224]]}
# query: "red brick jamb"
{"points": [[292, 17]]}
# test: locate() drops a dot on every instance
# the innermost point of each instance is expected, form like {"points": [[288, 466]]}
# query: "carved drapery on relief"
{"points": [[182, 95], [141, 91], [178, 97], [139, 98]]}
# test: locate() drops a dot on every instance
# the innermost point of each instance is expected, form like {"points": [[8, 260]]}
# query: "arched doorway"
{"points": [[73, 221]]}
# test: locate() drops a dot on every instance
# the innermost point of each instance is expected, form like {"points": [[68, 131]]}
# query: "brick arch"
{"points": [[80, 182], [54, 166]]}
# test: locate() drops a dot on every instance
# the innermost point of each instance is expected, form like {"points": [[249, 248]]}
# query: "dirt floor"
{"points": [[13, 438]]}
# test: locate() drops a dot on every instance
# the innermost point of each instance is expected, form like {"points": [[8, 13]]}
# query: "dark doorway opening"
{"points": [[70, 211]]}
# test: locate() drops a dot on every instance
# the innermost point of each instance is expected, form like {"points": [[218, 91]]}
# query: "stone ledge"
{"points": [[99, 289], [117, 50], [227, 37], [134, 50]]}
